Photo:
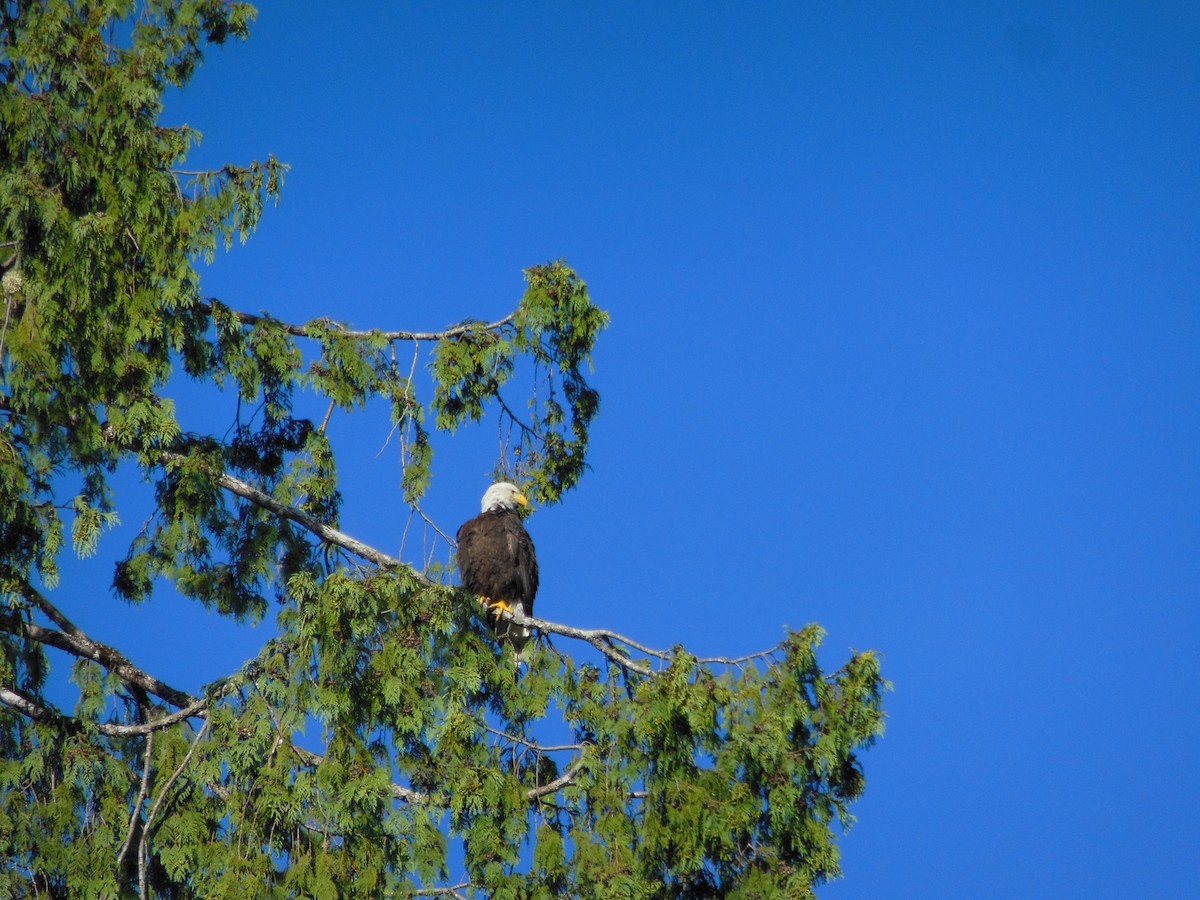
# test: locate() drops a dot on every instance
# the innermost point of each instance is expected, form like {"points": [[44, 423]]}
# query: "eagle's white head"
{"points": [[503, 495]]}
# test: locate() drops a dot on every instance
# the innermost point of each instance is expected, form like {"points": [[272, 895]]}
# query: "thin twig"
{"points": [[738, 660], [416, 507], [532, 745], [137, 805], [147, 830], [513, 416], [407, 525], [412, 371]]}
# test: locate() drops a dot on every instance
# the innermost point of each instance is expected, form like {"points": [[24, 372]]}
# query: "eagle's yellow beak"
{"points": [[520, 499]]}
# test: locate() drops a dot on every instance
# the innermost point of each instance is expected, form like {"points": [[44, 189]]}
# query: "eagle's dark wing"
{"points": [[472, 551], [520, 546]]}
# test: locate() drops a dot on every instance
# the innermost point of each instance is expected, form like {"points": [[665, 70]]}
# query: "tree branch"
{"points": [[72, 639], [420, 798], [553, 787], [327, 533], [525, 742], [137, 804], [602, 639], [144, 843], [27, 707], [452, 891], [38, 713], [305, 330], [398, 791]]}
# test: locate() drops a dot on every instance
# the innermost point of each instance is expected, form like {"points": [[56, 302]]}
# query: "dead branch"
{"points": [[307, 329]]}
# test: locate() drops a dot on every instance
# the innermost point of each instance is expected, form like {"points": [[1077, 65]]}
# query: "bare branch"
{"points": [[73, 640], [453, 890], [137, 805], [144, 843], [738, 660], [602, 639], [525, 742], [41, 713], [193, 710], [553, 787], [451, 542], [306, 330], [515, 418], [327, 533]]}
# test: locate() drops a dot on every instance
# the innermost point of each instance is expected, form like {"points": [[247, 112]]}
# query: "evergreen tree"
{"points": [[682, 777]]}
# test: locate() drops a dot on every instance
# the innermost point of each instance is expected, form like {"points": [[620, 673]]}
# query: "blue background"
{"points": [[904, 341]]}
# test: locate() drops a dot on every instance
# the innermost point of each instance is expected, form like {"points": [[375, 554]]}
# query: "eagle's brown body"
{"points": [[497, 562]]}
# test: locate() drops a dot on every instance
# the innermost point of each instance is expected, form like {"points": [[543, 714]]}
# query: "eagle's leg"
{"points": [[498, 606], [495, 606]]}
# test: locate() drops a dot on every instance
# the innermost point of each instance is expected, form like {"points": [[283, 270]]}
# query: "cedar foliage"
{"points": [[680, 778]]}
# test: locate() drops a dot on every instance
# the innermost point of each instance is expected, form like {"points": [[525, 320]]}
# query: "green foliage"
{"points": [[381, 743], [556, 326]]}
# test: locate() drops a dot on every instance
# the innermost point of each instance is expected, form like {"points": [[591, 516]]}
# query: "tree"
{"points": [[679, 776]]}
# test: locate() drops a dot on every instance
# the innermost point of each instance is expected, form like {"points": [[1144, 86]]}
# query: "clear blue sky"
{"points": [[905, 340]]}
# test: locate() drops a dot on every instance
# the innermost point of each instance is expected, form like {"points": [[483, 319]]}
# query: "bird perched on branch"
{"points": [[497, 562]]}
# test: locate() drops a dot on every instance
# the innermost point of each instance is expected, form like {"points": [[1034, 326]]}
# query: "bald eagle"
{"points": [[497, 562]]}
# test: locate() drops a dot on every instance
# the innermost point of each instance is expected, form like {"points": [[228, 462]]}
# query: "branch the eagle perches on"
{"points": [[68, 637], [607, 642]]}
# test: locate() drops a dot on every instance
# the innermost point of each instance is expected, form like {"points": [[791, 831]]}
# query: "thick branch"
{"points": [[327, 533], [40, 713], [26, 707], [305, 330], [602, 639], [73, 640], [420, 798], [553, 787]]}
